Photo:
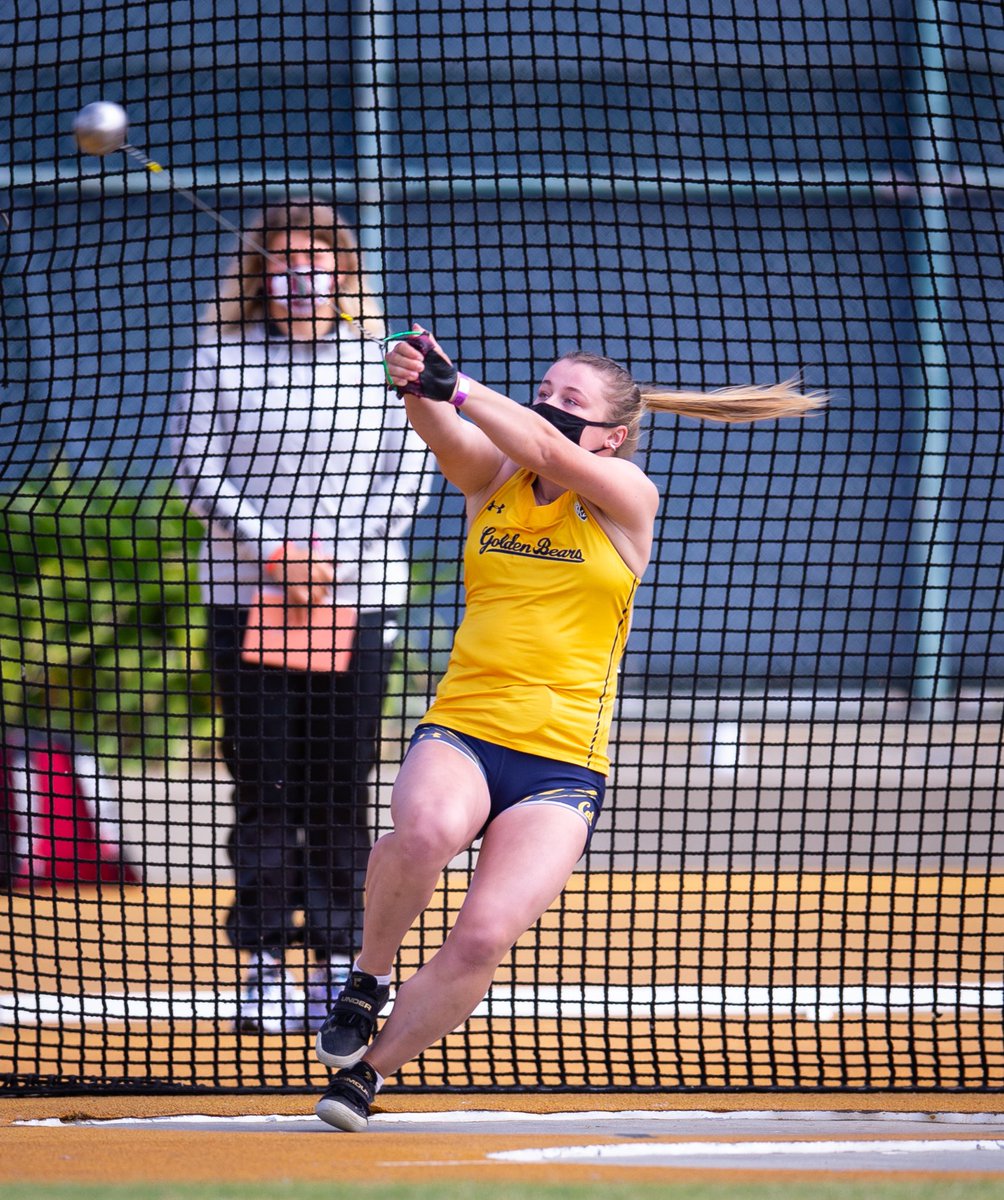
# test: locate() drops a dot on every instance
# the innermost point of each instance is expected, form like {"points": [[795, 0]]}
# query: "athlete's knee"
{"points": [[434, 841], [433, 828], [482, 944], [410, 848]]}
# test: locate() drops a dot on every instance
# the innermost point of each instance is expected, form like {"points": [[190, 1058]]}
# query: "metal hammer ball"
{"points": [[101, 127]]}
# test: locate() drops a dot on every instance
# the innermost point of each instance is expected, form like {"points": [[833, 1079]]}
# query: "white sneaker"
{"points": [[270, 1000], [324, 984]]}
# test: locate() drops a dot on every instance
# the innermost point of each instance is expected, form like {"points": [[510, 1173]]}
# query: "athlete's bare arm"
{"points": [[467, 458]]}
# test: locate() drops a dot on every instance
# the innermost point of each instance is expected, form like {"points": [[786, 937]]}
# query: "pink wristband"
{"points": [[462, 391]]}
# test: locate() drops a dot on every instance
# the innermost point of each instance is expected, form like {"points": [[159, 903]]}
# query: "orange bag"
{"points": [[316, 637]]}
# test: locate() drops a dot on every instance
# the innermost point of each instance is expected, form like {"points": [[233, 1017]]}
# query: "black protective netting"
{"points": [[797, 879]]}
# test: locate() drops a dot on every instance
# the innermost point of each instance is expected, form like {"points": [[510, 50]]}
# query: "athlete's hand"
{"points": [[420, 367], [306, 577]]}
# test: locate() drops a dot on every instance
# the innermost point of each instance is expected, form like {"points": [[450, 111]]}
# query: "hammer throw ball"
{"points": [[101, 127]]}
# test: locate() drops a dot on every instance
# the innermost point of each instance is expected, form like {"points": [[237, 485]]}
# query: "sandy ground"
{"points": [[825, 954], [531, 1140]]}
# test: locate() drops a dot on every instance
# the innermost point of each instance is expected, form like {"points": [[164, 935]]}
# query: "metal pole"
{"points": [[372, 78], [932, 531]]}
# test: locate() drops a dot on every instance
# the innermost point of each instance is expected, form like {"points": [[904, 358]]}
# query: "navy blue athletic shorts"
{"points": [[514, 777]]}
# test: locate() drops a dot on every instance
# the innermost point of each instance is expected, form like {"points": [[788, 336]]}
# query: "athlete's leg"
{"points": [[439, 804], [525, 860]]}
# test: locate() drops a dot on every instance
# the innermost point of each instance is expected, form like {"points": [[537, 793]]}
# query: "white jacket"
{"points": [[281, 441]]}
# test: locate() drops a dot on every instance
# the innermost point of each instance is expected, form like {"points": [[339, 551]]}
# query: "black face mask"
{"points": [[566, 422]]}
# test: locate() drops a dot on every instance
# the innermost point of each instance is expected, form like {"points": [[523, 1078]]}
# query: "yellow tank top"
{"points": [[535, 659]]}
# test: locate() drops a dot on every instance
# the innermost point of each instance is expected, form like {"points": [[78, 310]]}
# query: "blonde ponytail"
{"points": [[630, 401], [752, 402]]}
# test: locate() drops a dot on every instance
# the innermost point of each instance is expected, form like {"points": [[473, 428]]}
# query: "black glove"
{"points": [[438, 380]]}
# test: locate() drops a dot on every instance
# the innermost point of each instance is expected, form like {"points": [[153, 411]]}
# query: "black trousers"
{"points": [[300, 747]]}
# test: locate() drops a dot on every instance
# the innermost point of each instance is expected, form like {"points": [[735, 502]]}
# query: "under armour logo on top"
{"points": [[493, 507]]}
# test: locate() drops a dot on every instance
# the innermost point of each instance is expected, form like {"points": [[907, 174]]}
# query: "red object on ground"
{"points": [[62, 825]]}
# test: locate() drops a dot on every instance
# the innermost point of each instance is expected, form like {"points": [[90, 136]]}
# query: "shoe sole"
{"points": [[338, 1060], [339, 1115]]}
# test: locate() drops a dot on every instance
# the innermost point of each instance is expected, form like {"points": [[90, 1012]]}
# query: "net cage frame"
{"points": [[800, 862]]}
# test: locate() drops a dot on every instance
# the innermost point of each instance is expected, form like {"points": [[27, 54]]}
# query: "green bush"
{"points": [[101, 626]]}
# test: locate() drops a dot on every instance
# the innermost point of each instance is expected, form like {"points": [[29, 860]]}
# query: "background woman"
{"points": [[308, 479], [514, 746]]}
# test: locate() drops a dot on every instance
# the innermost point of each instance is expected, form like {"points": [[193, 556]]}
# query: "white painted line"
{"points": [[512, 1116], [681, 1116], [46, 1008], [812, 1003], [816, 1004], [718, 1150]]}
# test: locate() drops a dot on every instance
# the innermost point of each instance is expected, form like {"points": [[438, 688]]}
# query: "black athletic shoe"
{"points": [[344, 1036], [346, 1103]]}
